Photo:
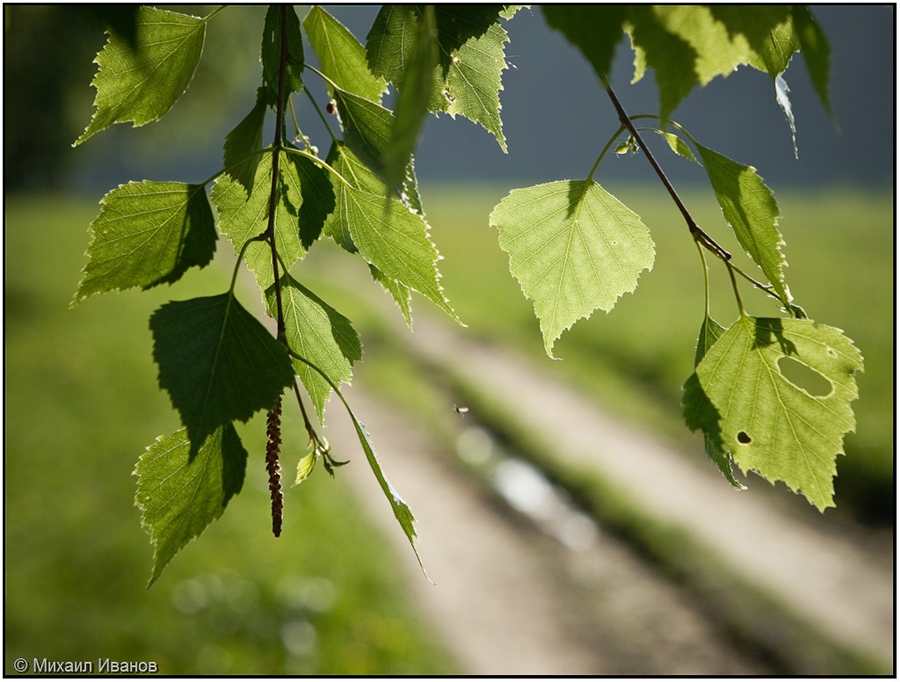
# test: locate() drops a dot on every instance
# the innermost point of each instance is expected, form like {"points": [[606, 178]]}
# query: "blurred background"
{"points": [[570, 522]]}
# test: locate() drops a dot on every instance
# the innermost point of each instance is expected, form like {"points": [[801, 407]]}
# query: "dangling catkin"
{"points": [[273, 449]]}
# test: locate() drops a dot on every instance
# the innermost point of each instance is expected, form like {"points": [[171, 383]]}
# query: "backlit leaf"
{"points": [[242, 218], [242, 143], [399, 292], [148, 233], [282, 20], [320, 334], [389, 235], [472, 48], [367, 129], [816, 52], [401, 510], [710, 332], [180, 494], [573, 247], [217, 362], [313, 185], [750, 208], [672, 58], [305, 467], [690, 45], [141, 85], [768, 30], [471, 52], [412, 101], [749, 407], [341, 56], [594, 29], [677, 145], [391, 40]]}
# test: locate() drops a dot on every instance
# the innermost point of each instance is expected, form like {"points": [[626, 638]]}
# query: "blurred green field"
{"points": [[840, 250], [81, 405]]}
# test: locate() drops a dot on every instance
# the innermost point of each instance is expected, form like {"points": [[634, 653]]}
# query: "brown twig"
{"points": [[273, 449], [698, 233]]}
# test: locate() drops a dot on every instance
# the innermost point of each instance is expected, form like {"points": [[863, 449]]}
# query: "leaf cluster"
{"points": [[573, 246]]}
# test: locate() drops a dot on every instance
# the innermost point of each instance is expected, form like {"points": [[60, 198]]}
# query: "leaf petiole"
{"points": [[258, 238], [609, 144], [737, 294], [213, 13], [319, 110], [319, 162], [226, 169]]}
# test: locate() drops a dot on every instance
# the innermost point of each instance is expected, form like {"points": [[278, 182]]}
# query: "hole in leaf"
{"points": [[803, 377], [744, 438]]}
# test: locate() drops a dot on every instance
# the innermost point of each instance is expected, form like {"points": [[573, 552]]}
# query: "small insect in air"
{"points": [[461, 411]]}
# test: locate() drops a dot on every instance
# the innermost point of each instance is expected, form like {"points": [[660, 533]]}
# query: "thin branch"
{"points": [[695, 229], [273, 193], [316, 160]]}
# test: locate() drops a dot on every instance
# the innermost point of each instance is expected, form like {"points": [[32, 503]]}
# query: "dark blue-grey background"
{"points": [[557, 118]]}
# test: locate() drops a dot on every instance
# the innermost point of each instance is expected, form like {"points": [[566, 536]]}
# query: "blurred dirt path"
{"points": [[510, 600], [826, 579]]}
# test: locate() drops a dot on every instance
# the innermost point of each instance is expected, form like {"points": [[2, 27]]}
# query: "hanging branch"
{"points": [[698, 232]]}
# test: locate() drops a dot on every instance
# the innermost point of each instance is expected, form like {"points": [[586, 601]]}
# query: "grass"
{"points": [[81, 405]]}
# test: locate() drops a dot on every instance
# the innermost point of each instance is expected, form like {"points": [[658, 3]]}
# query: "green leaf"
{"points": [[242, 143], [142, 85], [690, 45], [341, 56], [391, 40], [305, 466], [751, 407], [671, 57], [472, 58], [367, 129], [679, 146], [768, 30], [242, 218], [750, 208], [312, 184], [179, 495], [387, 234], [593, 29], [401, 510], [320, 334], [281, 19], [399, 292], [147, 233], [816, 52], [217, 362], [573, 247], [412, 101], [710, 332]]}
